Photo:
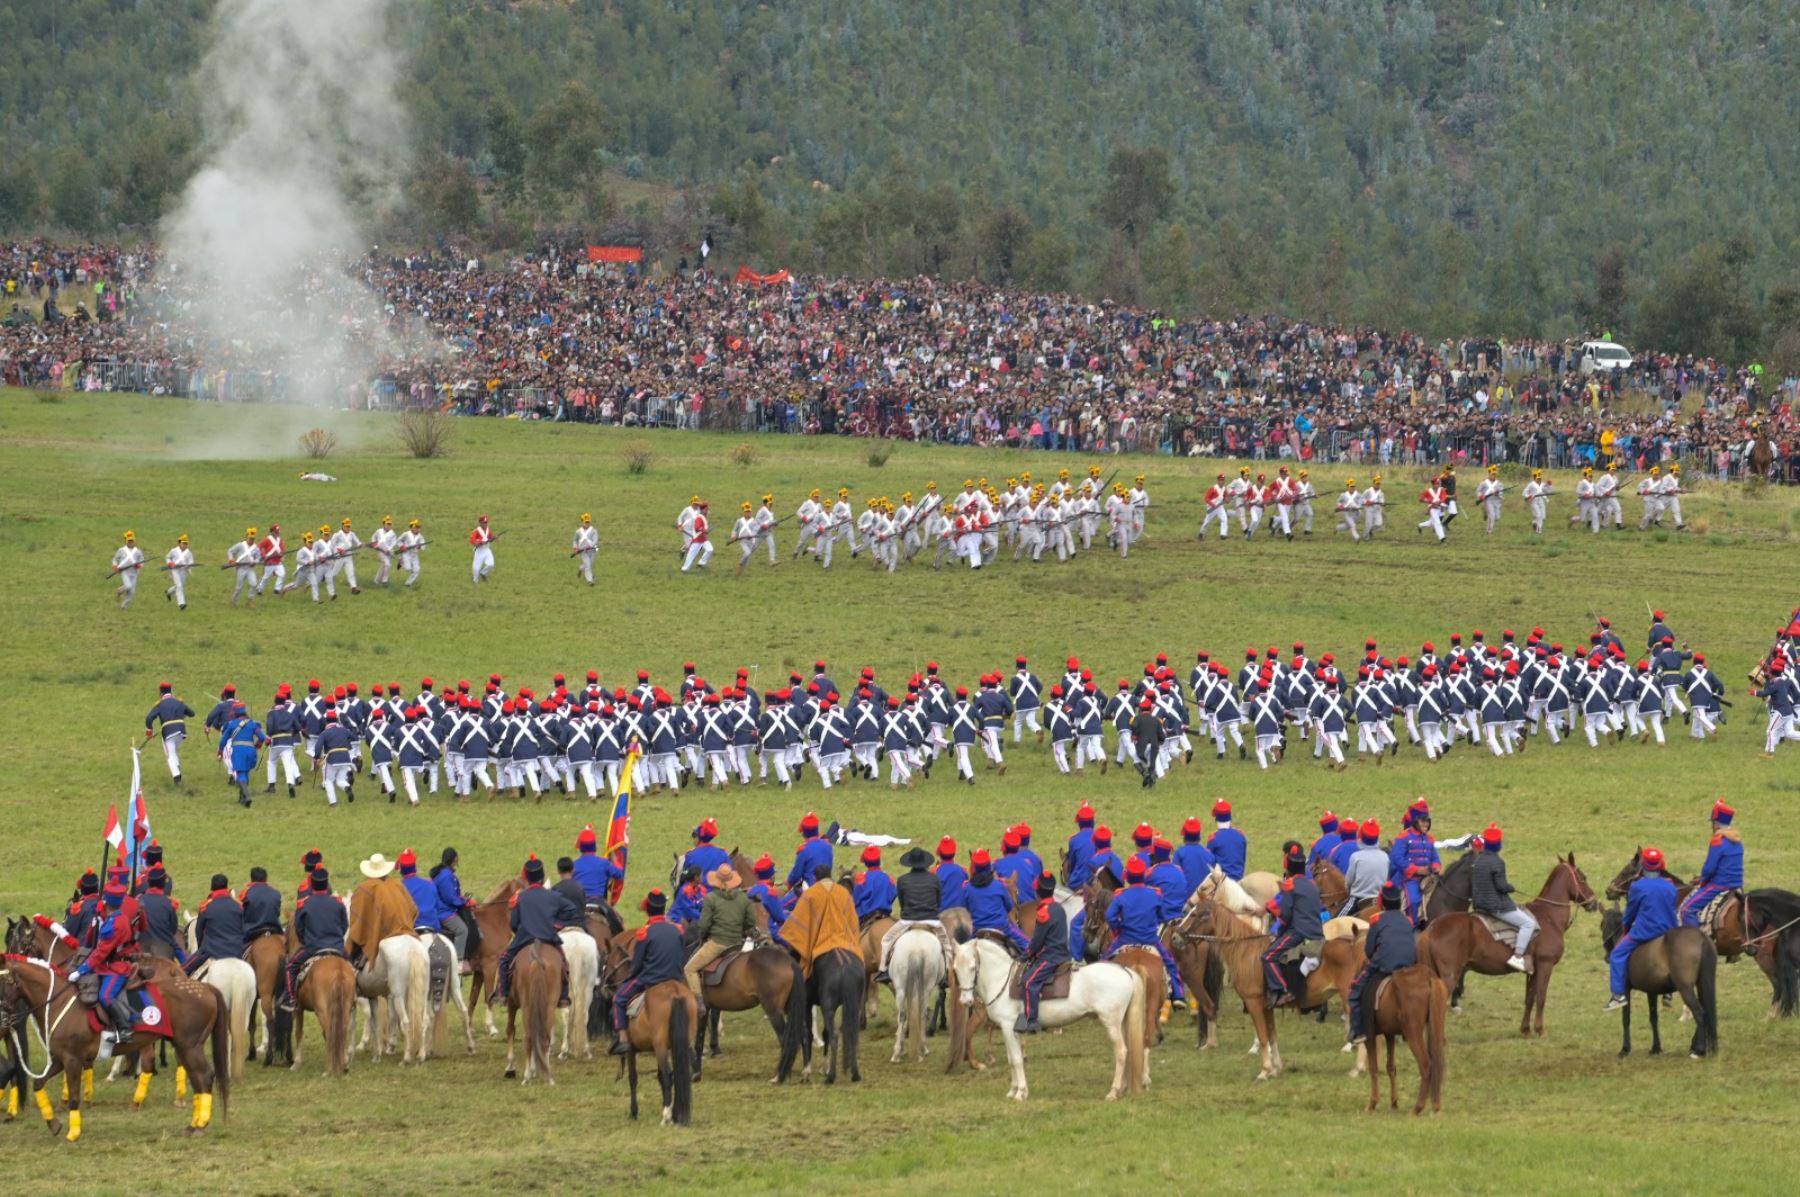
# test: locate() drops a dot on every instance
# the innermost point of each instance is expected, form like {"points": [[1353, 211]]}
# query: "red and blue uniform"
{"points": [[1649, 913], [1168, 879], [657, 955], [1135, 916], [1193, 858], [953, 883], [1328, 840], [990, 905], [686, 910], [873, 893], [1722, 872], [811, 853], [1412, 857], [705, 856], [1048, 952], [1081, 848], [115, 950], [1346, 846], [1015, 865], [1228, 844], [1300, 912]]}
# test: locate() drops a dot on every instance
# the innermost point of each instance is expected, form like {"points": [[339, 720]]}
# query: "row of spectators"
{"points": [[551, 337]]}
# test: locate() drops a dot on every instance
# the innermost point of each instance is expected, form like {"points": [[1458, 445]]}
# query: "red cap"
{"points": [[406, 859], [1191, 825], [1653, 859], [947, 848], [1134, 869], [1074, 662], [1084, 813], [1143, 833], [962, 691], [809, 823], [1348, 828], [587, 837], [764, 866], [1370, 830], [708, 829], [1010, 841], [1221, 809], [1492, 836], [1024, 830], [1019, 661], [819, 665], [1719, 808], [1328, 820], [1102, 836], [871, 856], [979, 859]]}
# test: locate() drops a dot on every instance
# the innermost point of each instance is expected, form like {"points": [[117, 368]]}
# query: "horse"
{"points": [[236, 982], [767, 977], [582, 952], [329, 991], [981, 973], [535, 982], [871, 932], [35, 994], [1773, 923], [1240, 945], [400, 976], [1217, 886], [1261, 886], [1452, 890], [836, 988], [1097, 938], [444, 985], [266, 954], [1455, 943], [484, 961], [917, 970], [661, 1026], [1334, 891], [1413, 1002], [1681, 961]]}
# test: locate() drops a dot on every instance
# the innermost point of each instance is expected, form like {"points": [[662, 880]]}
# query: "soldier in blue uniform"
{"points": [[239, 740], [1328, 839], [1298, 908], [431, 916], [1195, 861], [1649, 913], [538, 915], [873, 892], [1135, 916], [1168, 879], [261, 904], [113, 956], [988, 902], [1032, 861], [1049, 950], [763, 892], [161, 935], [685, 911], [953, 880], [812, 853], [1076, 867], [1723, 871], [595, 873], [84, 907], [1228, 843], [1413, 856], [705, 855], [173, 714], [1390, 947], [219, 926], [1142, 837], [1014, 866], [656, 956], [1349, 833], [1026, 691], [320, 925]]}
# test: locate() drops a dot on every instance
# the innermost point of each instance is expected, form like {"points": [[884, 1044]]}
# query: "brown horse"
{"points": [[1680, 961], [535, 982], [1202, 976], [1415, 1003], [873, 929], [767, 977], [1728, 928], [660, 1027], [1098, 938], [266, 954], [32, 990], [1240, 946], [1457, 942], [329, 991], [1334, 891]]}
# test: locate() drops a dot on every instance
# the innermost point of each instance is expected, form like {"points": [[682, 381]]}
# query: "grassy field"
{"points": [[1557, 1114]]}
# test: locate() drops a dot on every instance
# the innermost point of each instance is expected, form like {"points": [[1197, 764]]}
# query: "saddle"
{"points": [[149, 1014], [1001, 938], [256, 935], [870, 919], [306, 968], [714, 973], [1057, 987], [1306, 949], [1714, 912], [1506, 933]]}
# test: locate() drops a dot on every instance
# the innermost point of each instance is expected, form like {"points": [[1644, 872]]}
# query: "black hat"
{"points": [[89, 883], [655, 902], [321, 880], [1295, 863], [1390, 896], [220, 881], [534, 869], [916, 858], [153, 854], [1046, 884], [156, 878]]}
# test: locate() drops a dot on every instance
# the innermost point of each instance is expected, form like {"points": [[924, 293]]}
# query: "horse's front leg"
{"points": [[1655, 1025], [1015, 1060]]}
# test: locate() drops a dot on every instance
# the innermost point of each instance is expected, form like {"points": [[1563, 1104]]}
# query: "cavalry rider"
{"points": [[705, 855], [1014, 865], [1328, 839], [1077, 869], [1490, 893], [1368, 869], [1349, 831], [726, 921], [261, 903], [431, 914], [812, 853], [84, 907], [596, 873], [764, 892], [320, 925], [1033, 861], [873, 892], [161, 934], [686, 910], [459, 911], [1297, 907], [1414, 856], [988, 901], [921, 896], [1168, 879], [1228, 843], [657, 955], [1135, 915], [380, 908], [952, 878], [218, 928], [1649, 913], [1724, 868], [1192, 857], [538, 915], [113, 957], [1048, 952], [1390, 947]]}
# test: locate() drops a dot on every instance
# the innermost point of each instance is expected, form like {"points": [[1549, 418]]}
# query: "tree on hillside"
{"points": [[1602, 307], [505, 144], [1002, 238], [565, 140], [1703, 304], [1138, 192]]}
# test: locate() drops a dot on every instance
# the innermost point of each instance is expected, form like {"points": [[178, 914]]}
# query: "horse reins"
{"points": [[37, 1018]]}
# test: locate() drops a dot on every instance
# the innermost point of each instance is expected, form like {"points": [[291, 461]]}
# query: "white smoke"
{"points": [[304, 137]]}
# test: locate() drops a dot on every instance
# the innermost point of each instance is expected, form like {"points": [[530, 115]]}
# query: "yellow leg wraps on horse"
{"points": [[65, 1086], [12, 1103], [203, 1103], [87, 1084], [143, 1088], [74, 1125], [44, 1106], [180, 1083]]}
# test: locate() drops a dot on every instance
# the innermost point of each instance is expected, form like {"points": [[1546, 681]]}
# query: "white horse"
{"points": [[1111, 993], [583, 955], [401, 975], [917, 968], [1221, 889], [236, 982], [451, 991]]}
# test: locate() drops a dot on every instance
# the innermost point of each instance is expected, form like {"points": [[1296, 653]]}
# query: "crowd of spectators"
{"points": [[552, 337]]}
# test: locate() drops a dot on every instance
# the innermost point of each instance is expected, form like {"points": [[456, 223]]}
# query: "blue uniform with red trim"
{"points": [[1022, 868], [1649, 913], [657, 955], [1049, 951], [953, 885], [812, 853], [115, 952], [1722, 872], [595, 873], [1301, 913], [873, 893], [686, 907], [989, 905], [1135, 916], [1196, 862], [1412, 856], [1232, 850], [764, 893], [1080, 856]]}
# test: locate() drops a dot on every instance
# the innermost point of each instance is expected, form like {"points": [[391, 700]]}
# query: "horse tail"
{"points": [[418, 1002], [1437, 1018], [681, 1062], [959, 1029], [1786, 972], [223, 1053], [917, 1000], [281, 1032], [337, 1035], [794, 1026], [1134, 1034], [1709, 998]]}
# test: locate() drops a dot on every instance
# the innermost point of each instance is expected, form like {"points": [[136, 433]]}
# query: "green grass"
{"points": [[1519, 1116]]}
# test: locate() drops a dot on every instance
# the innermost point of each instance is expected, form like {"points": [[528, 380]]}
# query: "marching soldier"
{"points": [[1586, 511], [1606, 498], [585, 545], [1374, 508], [1216, 510], [272, 554], [1436, 505], [481, 539], [1671, 493], [699, 549], [178, 561], [684, 521], [245, 556], [408, 546], [1348, 504], [1649, 489], [173, 714], [1537, 500], [1488, 493], [127, 560], [325, 563], [304, 574], [383, 543], [1283, 519], [344, 544], [765, 525], [1304, 494], [744, 534]]}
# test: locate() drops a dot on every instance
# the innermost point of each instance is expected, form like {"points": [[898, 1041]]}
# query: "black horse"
{"points": [[1453, 889], [837, 988], [1681, 961], [1772, 937]]}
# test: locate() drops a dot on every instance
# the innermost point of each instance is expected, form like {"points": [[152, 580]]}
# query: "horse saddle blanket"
{"points": [[870, 919], [306, 969], [1058, 986], [714, 973], [635, 1006], [149, 1014], [1714, 911], [1506, 933], [1306, 949], [441, 955]]}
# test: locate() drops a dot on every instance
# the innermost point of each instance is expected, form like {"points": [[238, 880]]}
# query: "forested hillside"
{"points": [[1521, 167]]}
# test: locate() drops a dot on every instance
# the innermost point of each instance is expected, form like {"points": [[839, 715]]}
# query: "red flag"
{"points": [[615, 253], [114, 835]]}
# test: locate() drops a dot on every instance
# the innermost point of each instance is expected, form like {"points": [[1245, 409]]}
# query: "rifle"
{"points": [[121, 569], [252, 564], [760, 530]]}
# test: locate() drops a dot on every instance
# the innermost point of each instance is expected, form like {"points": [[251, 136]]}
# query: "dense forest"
{"points": [[1516, 166]]}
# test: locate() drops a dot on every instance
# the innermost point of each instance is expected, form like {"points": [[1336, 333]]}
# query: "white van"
{"points": [[1603, 356]]}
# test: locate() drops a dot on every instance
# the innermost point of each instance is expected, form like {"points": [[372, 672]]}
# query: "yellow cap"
{"points": [[930, 485], [306, 537], [1349, 482], [745, 505], [1093, 471], [1244, 470], [693, 499], [1062, 473], [1537, 473], [346, 521], [1026, 475], [1377, 480], [1303, 473], [130, 535], [1675, 469], [814, 493], [586, 518], [412, 523], [182, 539], [386, 519], [842, 491], [249, 531], [324, 529], [968, 484], [1140, 477], [906, 496], [768, 498], [1493, 469]]}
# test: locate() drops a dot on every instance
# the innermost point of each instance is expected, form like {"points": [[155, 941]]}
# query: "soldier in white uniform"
{"points": [[407, 546], [1139, 498], [1606, 499], [1281, 515], [127, 563], [344, 544], [1436, 504], [304, 573], [810, 515], [765, 527], [383, 543], [1649, 489], [1374, 508], [1537, 499], [700, 549], [245, 556], [325, 564], [585, 545], [1488, 493], [178, 561], [1238, 491], [836, 527], [906, 531], [1304, 494], [743, 533], [273, 553], [481, 539], [1255, 499], [1348, 505], [865, 523], [1671, 494], [1587, 511], [684, 522]]}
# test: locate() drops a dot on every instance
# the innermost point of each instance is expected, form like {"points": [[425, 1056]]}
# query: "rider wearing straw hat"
{"points": [[726, 921], [379, 907]]}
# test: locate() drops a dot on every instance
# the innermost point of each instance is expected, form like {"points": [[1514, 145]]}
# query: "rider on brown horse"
{"points": [[1297, 906], [1390, 947], [657, 955], [112, 959], [1490, 893], [538, 915], [1724, 868], [1649, 913], [320, 925]]}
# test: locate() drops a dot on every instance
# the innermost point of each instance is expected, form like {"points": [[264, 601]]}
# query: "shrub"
{"points": [[318, 444], [638, 456], [744, 455], [878, 454], [424, 432]]}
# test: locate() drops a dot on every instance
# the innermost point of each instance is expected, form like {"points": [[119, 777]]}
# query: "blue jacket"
{"points": [[1019, 867], [658, 954], [989, 904], [1196, 862], [219, 929], [873, 892], [953, 881], [1410, 849], [595, 873], [321, 923], [706, 858], [425, 896], [1169, 879], [771, 903], [811, 854], [1724, 861], [1232, 849], [1106, 859], [1049, 934], [1340, 855], [1081, 852], [1135, 915], [262, 907], [174, 715], [1392, 943], [450, 895], [1650, 908], [685, 908]]}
